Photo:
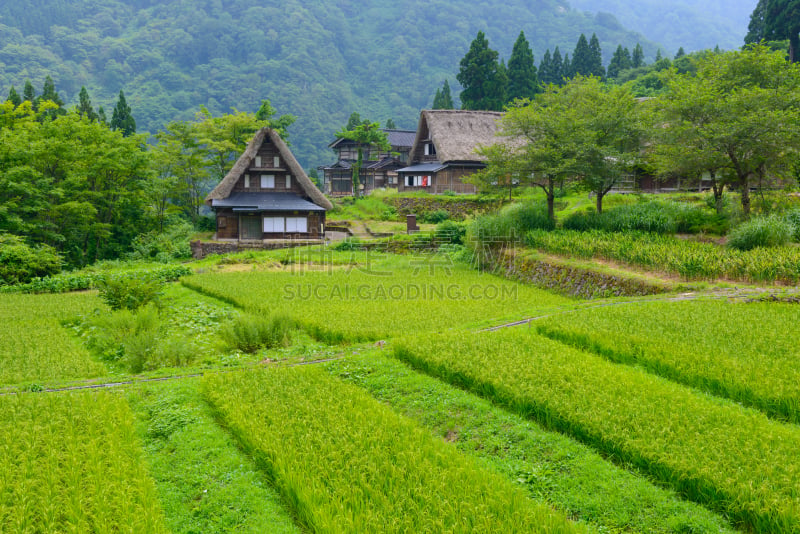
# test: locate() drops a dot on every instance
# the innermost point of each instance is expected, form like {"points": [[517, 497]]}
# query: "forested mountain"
{"points": [[692, 24], [314, 59]]}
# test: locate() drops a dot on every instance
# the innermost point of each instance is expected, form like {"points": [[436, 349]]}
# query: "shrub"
{"points": [[20, 263], [435, 217], [128, 293], [172, 243], [348, 244], [249, 333], [651, 216], [450, 232], [793, 218], [769, 231]]}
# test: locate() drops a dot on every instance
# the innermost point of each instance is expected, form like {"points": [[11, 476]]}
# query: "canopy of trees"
{"points": [[315, 61]]}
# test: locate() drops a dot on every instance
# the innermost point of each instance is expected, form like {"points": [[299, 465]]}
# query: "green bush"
{"points": [[662, 217], [793, 218], [128, 293], [769, 231], [249, 333], [21, 263], [171, 244], [435, 217], [450, 232]]}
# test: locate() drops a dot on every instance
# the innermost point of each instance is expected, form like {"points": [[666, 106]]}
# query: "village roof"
{"points": [[225, 187], [247, 201], [423, 167], [396, 138], [371, 164], [457, 133]]}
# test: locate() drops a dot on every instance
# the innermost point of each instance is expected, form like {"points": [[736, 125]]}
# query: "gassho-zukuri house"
{"points": [[267, 195], [444, 154]]}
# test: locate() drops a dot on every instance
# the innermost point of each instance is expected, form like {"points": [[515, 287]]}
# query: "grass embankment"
{"points": [[713, 451], [72, 463], [552, 467], [737, 350], [205, 482], [346, 463]]}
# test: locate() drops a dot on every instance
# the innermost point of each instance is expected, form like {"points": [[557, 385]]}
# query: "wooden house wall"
{"points": [[268, 151], [228, 224], [449, 179]]}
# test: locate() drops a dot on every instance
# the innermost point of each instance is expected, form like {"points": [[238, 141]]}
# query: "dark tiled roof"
{"points": [[265, 202], [424, 167], [401, 138]]}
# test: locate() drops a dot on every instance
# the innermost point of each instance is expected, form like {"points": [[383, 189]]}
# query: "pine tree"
{"points": [[50, 94], [29, 94], [618, 62], [567, 72], [546, 69], [596, 56], [637, 60], [523, 81], [447, 97], [13, 97], [680, 53], [122, 119], [437, 99], [756, 30], [658, 56], [582, 57], [101, 115], [85, 108], [557, 70], [481, 77]]}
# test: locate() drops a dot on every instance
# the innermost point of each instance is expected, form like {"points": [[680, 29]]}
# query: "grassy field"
{"points": [[736, 350], [711, 450], [377, 297], [346, 463], [33, 345], [72, 463], [629, 417]]}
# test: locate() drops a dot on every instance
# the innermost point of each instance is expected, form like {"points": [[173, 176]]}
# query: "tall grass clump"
{"points": [[662, 217], [251, 333], [767, 231], [793, 218], [344, 462], [505, 227]]}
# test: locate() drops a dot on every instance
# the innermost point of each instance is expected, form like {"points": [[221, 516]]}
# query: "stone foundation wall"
{"points": [[201, 249]]}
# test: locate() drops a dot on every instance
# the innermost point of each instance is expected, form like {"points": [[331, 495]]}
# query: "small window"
{"points": [[297, 224], [258, 161], [288, 181], [267, 181], [276, 161], [246, 181], [430, 150], [273, 225]]}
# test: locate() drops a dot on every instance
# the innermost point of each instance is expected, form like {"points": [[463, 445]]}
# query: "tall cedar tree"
{"points": [[582, 57], [756, 29], [567, 71], [122, 119], [481, 77], [29, 93], [101, 115], [443, 98], [557, 68], [85, 108], [619, 62], [637, 60], [13, 97], [782, 21], [680, 53], [523, 81], [50, 94], [546, 69], [596, 66]]}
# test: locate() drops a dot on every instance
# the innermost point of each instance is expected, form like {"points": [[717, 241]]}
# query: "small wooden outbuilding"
{"points": [[267, 195]]}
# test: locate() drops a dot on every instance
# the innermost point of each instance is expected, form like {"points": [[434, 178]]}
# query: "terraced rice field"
{"points": [[644, 416]]}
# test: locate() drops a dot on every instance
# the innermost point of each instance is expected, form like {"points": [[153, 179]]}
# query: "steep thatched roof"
{"points": [[224, 188], [457, 133]]}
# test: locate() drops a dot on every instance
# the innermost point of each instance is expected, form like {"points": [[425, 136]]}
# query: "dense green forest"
{"points": [[687, 23], [316, 60]]}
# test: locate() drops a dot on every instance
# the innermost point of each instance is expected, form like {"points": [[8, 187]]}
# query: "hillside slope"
{"points": [[317, 60], [687, 23]]}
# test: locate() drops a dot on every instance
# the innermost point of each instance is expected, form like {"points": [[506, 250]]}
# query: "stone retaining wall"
{"points": [[201, 249]]}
